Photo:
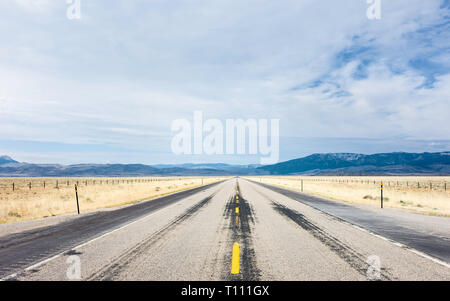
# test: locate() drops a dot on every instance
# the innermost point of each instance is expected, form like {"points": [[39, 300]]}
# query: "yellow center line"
{"points": [[235, 259], [237, 210]]}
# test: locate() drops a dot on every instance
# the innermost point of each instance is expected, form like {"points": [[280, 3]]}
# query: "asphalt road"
{"points": [[233, 230], [429, 234]]}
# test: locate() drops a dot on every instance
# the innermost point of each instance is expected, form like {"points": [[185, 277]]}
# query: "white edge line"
{"points": [[396, 243], [403, 246], [36, 265]]}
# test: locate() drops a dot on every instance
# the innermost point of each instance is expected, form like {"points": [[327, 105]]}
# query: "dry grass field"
{"points": [[32, 198], [429, 195]]}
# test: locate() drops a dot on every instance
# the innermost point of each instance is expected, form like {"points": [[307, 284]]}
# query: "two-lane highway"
{"points": [[233, 230]]}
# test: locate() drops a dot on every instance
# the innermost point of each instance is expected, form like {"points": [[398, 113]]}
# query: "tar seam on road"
{"points": [[353, 258], [109, 272], [294, 196], [121, 218], [235, 256], [241, 234]]}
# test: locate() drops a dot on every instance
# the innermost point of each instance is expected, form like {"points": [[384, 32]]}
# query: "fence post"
{"points": [[381, 195], [13, 186], [76, 195], [29, 185], [44, 184], [302, 185]]}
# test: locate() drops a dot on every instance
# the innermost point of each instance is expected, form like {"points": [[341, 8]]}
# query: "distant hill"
{"points": [[7, 160], [12, 168], [359, 164], [317, 164]]}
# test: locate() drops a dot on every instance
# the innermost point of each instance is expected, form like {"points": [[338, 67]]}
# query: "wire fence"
{"points": [[18, 184], [410, 183]]}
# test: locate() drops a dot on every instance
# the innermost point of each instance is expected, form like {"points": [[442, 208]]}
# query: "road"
{"points": [[233, 230]]}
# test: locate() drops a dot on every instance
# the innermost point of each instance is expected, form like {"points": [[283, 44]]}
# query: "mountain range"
{"points": [[359, 164], [332, 164]]}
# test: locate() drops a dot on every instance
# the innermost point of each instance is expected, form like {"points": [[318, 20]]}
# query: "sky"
{"points": [[106, 88]]}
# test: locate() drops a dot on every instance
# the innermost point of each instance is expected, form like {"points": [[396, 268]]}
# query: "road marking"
{"points": [[235, 260], [403, 246], [74, 248], [395, 243], [77, 247], [237, 210], [34, 266], [237, 221]]}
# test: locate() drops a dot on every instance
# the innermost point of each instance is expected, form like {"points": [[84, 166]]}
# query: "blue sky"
{"points": [[107, 87]]}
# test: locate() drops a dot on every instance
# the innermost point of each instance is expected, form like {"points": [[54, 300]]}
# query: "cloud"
{"points": [[121, 74], [36, 6]]}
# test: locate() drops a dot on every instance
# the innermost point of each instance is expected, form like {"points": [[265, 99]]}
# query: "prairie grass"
{"points": [[428, 195], [57, 195]]}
